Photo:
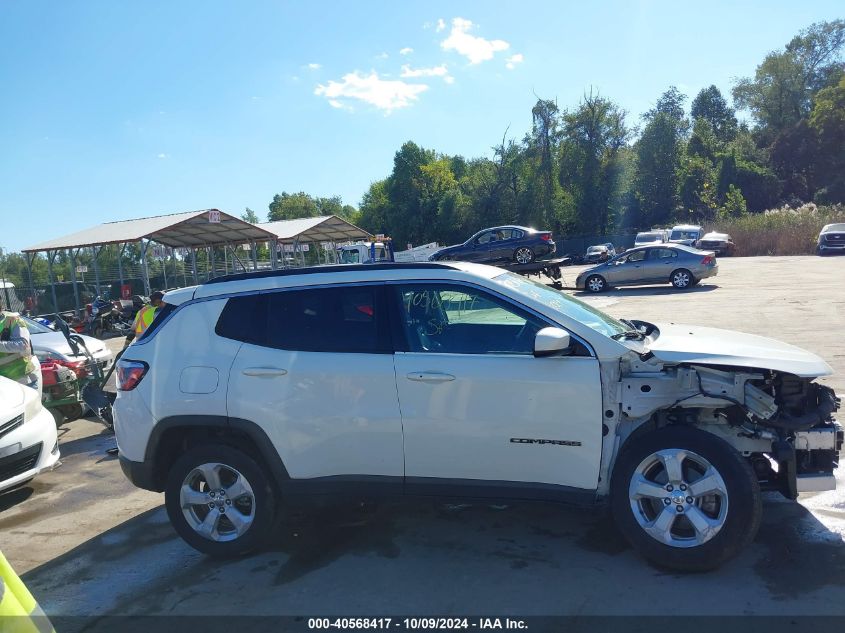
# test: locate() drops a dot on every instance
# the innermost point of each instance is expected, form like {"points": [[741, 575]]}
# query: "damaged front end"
{"points": [[783, 424]]}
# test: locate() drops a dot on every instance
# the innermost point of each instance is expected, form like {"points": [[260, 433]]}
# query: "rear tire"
{"points": [[681, 279], [679, 464], [242, 517], [595, 283]]}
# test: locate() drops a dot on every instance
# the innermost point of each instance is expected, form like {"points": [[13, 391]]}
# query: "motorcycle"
{"points": [[107, 317]]}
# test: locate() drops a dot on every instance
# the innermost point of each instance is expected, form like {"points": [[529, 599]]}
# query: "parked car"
{"points": [[832, 239], [28, 439], [501, 244], [719, 243], [599, 253], [679, 265], [686, 234], [48, 343], [457, 379], [651, 237]]}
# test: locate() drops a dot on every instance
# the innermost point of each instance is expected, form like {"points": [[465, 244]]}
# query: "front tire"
{"points": [[682, 279], [685, 499], [595, 283], [220, 501], [523, 255]]}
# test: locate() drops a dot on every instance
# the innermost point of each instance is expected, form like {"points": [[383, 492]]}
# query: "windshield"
{"points": [[35, 327], [349, 257], [596, 249], [834, 227], [684, 235], [648, 237], [562, 303]]}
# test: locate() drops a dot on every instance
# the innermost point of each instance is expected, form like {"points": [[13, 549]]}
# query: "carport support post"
{"points": [[30, 257], [213, 272], [254, 248], [144, 272], [73, 254], [274, 262], [51, 256], [120, 249], [96, 251], [194, 265]]}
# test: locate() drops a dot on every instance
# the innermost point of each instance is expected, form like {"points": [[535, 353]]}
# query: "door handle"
{"points": [[429, 376], [264, 372]]}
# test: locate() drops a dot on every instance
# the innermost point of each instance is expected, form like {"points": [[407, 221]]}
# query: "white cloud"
{"points": [[314, 66], [513, 60], [449, 79], [163, 156], [384, 95], [434, 71], [441, 25], [382, 56], [475, 49], [406, 51]]}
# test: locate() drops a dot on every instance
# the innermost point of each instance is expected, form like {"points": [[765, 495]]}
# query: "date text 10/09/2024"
{"points": [[481, 624]]}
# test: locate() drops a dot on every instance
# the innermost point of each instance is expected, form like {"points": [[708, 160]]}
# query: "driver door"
{"points": [[630, 270], [480, 252], [477, 406]]}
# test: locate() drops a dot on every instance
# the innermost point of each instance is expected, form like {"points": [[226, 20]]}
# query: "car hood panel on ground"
{"points": [[680, 343], [56, 342]]}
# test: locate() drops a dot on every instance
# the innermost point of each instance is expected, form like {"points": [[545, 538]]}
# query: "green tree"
{"points": [[590, 170], [827, 120], [710, 105], [656, 182], [734, 205], [781, 91], [290, 206], [250, 216]]}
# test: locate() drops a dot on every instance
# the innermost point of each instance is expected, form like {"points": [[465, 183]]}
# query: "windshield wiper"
{"points": [[628, 335], [633, 333]]}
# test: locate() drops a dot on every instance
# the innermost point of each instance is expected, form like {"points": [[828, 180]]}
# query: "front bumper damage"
{"points": [[784, 425]]}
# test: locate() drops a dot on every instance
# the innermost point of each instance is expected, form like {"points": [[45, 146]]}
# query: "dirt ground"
{"points": [[93, 545]]}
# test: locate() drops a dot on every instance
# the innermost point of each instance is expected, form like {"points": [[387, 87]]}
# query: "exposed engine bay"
{"points": [[783, 424]]}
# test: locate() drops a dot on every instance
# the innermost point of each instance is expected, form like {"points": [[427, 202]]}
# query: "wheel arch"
{"points": [[173, 435]]}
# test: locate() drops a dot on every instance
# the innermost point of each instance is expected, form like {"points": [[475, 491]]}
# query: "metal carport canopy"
{"points": [[191, 229], [327, 228]]}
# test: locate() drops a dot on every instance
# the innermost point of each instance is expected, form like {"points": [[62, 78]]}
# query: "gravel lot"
{"points": [[91, 544]]}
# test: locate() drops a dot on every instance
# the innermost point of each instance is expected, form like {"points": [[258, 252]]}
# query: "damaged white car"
{"points": [[459, 380]]}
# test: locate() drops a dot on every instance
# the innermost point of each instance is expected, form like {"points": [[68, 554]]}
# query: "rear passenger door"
{"points": [[315, 371], [661, 262]]}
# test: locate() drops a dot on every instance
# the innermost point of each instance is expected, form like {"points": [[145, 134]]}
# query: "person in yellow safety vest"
{"points": [[19, 612], [145, 316], [17, 362]]}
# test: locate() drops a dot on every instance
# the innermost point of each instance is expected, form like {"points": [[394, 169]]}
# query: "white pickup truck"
{"points": [[382, 251]]}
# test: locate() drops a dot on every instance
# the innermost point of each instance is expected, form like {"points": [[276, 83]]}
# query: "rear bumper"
{"points": [[139, 473]]}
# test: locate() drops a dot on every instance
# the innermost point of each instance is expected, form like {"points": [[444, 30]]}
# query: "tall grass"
{"points": [[784, 231]]}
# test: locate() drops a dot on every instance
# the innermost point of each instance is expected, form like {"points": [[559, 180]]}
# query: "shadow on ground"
{"points": [[434, 558]]}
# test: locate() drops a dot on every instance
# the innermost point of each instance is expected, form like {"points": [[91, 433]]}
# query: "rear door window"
{"points": [[341, 320]]}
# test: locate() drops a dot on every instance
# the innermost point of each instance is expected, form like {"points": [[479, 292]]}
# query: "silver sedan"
{"points": [[681, 266]]}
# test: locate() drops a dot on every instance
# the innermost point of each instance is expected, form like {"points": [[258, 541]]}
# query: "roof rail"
{"points": [[334, 268]]}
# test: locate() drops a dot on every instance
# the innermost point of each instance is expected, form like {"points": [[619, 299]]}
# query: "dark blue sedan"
{"points": [[501, 244]]}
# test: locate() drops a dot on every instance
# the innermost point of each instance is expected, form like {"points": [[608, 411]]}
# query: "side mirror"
{"points": [[551, 341]]}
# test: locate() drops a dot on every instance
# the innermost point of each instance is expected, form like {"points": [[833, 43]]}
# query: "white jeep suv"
{"points": [[253, 391]]}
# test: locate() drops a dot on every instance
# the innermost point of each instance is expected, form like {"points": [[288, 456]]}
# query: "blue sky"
{"points": [[114, 110]]}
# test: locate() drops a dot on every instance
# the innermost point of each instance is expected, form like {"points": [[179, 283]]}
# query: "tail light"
{"points": [[546, 237], [130, 373], [708, 259]]}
